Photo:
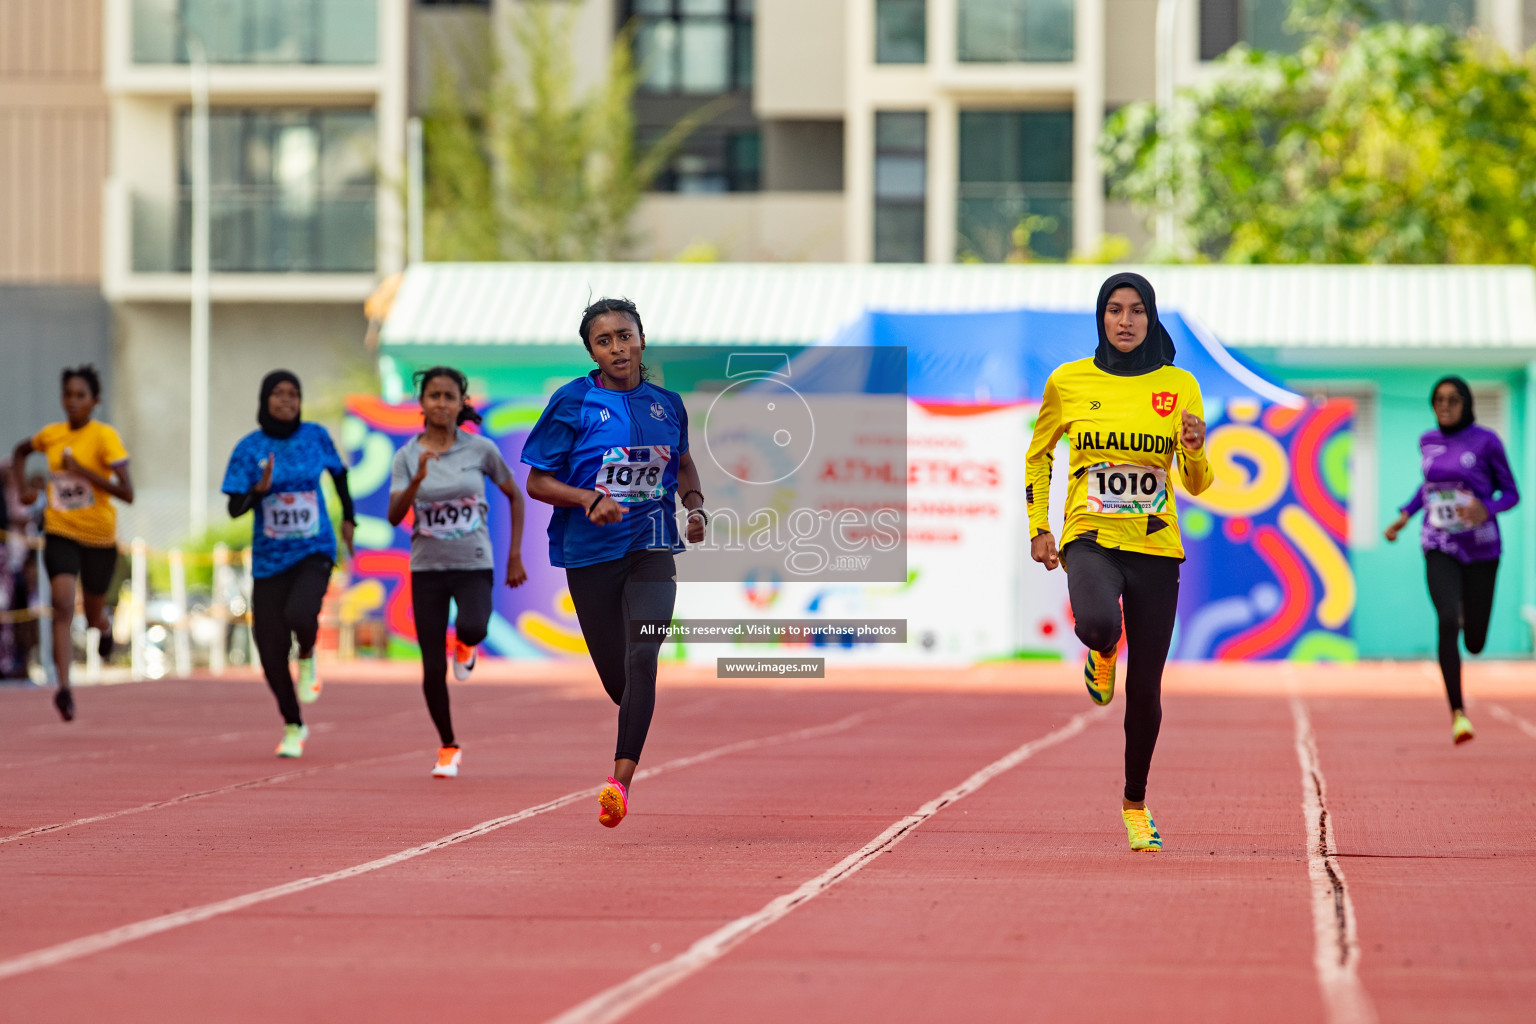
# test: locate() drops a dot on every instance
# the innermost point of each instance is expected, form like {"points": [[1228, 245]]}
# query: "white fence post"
{"points": [[220, 609], [138, 623], [251, 657], [45, 621], [181, 629]]}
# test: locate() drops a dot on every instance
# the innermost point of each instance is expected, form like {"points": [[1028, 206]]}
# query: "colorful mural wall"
{"points": [[533, 621], [1267, 576]]}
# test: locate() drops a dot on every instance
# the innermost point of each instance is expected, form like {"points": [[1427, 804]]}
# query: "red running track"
{"points": [[791, 859]]}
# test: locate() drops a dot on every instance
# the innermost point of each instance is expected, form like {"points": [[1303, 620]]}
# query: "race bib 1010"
{"points": [[291, 515], [1444, 508], [1126, 490], [633, 476], [449, 519]]}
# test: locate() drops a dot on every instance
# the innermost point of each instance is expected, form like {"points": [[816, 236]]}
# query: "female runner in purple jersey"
{"points": [[1467, 482]]}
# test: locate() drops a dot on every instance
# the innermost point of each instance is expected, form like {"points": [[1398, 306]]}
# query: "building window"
{"points": [[257, 31], [290, 190], [901, 31], [901, 186], [719, 160], [1006, 31], [1262, 24], [1015, 200], [692, 47]]}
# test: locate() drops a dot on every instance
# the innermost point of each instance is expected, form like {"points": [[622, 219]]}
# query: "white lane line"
{"points": [[205, 793], [1336, 947], [1510, 718], [614, 1003], [74, 949], [235, 787]]}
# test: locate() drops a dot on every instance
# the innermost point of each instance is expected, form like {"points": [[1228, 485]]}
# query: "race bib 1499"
{"points": [[449, 519], [1126, 490]]}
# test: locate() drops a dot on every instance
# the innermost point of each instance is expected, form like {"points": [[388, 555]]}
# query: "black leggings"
{"points": [[430, 593], [282, 607], [609, 596], [1097, 580], [1463, 596]]}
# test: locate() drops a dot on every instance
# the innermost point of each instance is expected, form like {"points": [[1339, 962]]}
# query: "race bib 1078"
{"points": [[1126, 490], [449, 519], [633, 476], [291, 515]]}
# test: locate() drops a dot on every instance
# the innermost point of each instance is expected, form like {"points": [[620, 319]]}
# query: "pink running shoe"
{"points": [[614, 801]]}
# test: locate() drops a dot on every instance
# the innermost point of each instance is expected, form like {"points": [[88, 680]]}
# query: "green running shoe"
{"points": [[1141, 830], [292, 744], [1099, 676]]}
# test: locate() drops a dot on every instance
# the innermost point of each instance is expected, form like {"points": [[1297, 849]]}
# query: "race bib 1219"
{"points": [[291, 515]]}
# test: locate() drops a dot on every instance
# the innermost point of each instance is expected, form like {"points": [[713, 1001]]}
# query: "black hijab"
{"points": [[1152, 353], [1466, 403], [271, 425]]}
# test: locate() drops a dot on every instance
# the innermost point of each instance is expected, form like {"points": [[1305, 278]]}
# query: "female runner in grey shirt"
{"points": [[440, 474]]}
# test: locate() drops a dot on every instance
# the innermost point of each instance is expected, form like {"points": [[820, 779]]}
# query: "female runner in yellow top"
{"points": [[87, 468], [1127, 412]]}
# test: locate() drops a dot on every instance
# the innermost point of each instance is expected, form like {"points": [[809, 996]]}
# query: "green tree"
{"points": [[522, 167], [1378, 142]]}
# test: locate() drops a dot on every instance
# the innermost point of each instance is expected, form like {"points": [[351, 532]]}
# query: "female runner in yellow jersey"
{"points": [[1127, 412]]}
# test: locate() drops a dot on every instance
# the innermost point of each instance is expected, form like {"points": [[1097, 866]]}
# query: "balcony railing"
{"points": [[1006, 31], [257, 31], [259, 231], [998, 222]]}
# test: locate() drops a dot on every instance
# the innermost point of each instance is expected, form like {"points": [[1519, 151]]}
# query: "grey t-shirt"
{"points": [[449, 530]]}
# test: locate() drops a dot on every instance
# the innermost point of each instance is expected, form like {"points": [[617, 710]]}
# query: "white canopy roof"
{"points": [[1293, 307]]}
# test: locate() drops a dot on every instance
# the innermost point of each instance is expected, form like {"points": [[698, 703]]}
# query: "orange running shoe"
{"points": [[448, 759], [614, 801], [464, 658]]}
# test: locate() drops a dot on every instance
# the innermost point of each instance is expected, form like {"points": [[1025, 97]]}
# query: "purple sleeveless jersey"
{"points": [[1457, 467]]}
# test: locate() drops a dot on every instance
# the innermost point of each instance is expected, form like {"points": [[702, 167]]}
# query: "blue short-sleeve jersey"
{"points": [[301, 460], [625, 443]]}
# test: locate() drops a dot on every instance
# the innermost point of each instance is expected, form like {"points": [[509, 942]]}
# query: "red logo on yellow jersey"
{"points": [[1163, 402]]}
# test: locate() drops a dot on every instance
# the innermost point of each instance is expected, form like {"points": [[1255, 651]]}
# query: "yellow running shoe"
{"points": [[1461, 728], [614, 802], [1099, 675], [1141, 830]]}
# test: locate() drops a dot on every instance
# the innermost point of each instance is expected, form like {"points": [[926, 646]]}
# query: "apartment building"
{"points": [[53, 160], [306, 128], [921, 130]]}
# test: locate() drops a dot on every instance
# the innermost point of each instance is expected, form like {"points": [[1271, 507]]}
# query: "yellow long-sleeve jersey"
{"points": [[1124, 434]]}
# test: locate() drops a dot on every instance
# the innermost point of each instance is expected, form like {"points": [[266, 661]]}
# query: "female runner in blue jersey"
{"points": [[610, 453], [275, 472]]}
